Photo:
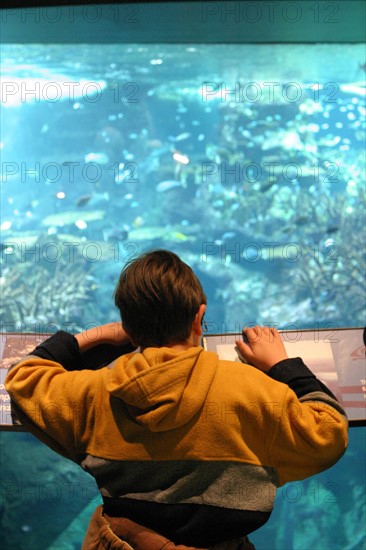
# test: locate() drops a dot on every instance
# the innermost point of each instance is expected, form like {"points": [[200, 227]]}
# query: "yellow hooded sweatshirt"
{"points": [[190, 446]]}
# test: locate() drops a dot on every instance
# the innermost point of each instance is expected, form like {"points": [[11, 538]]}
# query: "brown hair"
{"points": [[158, 296]]}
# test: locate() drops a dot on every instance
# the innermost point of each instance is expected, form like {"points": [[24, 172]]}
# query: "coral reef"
{"points": [[44, 295]]}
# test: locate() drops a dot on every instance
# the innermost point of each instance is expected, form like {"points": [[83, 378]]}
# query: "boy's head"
{"points": [[158, 296]]}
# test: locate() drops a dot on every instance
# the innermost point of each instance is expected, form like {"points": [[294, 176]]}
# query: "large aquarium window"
{"points": [[247, 160], [232, 133]]}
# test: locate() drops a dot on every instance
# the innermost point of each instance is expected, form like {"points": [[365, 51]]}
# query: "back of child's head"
{"points": [[158, 296]]}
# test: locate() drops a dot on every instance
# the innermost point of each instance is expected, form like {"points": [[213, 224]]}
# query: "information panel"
{"points": [[12, 348], [335, 356], [15, 346]]}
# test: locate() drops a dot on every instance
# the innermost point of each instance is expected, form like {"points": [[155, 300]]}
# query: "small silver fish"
{"points": [[98, 158], [180, 137], [92, 200], [166, 185]]}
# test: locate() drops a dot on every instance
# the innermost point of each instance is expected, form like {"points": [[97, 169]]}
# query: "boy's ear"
{"points": [[197, 324]]}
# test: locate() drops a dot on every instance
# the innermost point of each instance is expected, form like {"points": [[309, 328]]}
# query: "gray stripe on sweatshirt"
{"points": [[227, 484], [324, 398]]}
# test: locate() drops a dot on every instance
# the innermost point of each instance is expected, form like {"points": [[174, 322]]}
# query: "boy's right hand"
{"points": [[110, 333], [264, 348]]}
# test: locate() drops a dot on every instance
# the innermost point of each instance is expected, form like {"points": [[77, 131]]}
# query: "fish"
{"points": [[11, 247], [72, 216], [99, 158], [92, 200], [154, 144], [83, 200], [152, 161], [146, 233], [332, 229], [267, 186], [177, 236], [301, 220], [167, 185], [162, 233], [182, 159], [329, 140], [6, 224], [180, 137], [357, 88], [116, 233], [138, 222]]}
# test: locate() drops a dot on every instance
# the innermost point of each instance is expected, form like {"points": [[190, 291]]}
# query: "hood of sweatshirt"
{"points": [[163, 388]]}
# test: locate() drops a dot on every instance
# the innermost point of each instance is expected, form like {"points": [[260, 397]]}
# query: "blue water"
{"points": [[248, 165], [244, 161]]}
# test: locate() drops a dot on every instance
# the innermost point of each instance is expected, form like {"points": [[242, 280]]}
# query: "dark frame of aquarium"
{"points": [[176, 22]]}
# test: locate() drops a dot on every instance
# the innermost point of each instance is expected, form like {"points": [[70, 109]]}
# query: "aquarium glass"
{"points": [[46, 502], [247, 160]]}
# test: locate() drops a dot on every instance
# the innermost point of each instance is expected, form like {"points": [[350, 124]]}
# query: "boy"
{"points": [[187, 450]]}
